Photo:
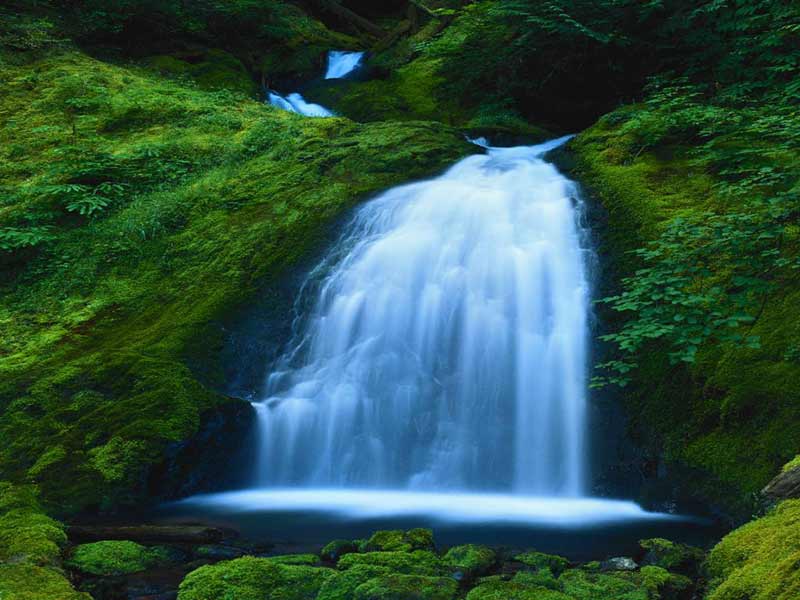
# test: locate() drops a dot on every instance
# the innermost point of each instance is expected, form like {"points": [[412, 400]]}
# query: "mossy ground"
{"points": [[209, 195], [110, 558]]}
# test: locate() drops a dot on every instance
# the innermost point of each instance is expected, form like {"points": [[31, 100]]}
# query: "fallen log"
{"points": [[181, 534]]}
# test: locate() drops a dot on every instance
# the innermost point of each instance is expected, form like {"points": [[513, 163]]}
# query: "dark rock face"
{"points": [[784, 486], [205, 462]]}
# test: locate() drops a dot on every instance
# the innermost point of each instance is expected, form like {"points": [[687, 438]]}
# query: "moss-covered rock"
{"points": [[470, 559], [116, 557], [399, 541], [583, 585], [342, 585], [672, 556], [418, 562], [407, 587], [32, 582], [334, 550], [760, 560], [540, 577], [540, 560], [251, 578], [514, 590]]}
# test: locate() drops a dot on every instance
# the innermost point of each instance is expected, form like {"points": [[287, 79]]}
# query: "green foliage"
{"points": [[759, 561], [115, 558]]}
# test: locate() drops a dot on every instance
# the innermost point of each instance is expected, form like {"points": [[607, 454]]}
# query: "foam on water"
{"points": [[444, 507]]}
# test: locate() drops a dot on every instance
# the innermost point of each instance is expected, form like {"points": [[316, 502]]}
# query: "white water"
{"points": [[341, 64], [297, 104], [446, 507], [447, 348]]}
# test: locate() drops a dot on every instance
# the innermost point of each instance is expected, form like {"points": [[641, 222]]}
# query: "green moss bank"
{"points": [[139, 210]]}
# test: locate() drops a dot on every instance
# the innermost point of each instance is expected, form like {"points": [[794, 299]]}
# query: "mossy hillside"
{"points": [[731, 418], [193, 200], [109, 558], [760, 560], [251, 578], [30, 549]]}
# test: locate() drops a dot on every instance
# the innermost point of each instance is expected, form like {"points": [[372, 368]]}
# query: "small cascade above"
{"points": [[340, 65]]}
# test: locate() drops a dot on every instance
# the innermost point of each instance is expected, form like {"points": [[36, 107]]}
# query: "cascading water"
{"points": [[448, 345], [340, 64]]}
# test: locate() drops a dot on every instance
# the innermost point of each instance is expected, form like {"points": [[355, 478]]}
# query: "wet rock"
{"points": [[189, 534], [619, 563], [785, 486]]}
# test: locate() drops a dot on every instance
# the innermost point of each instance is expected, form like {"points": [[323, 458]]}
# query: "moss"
{"points": [[399, 541], [251, 578], [407, 587], [107, 324], [791, 465], [514, 590], [540, 560], [582, 585], [672, 556], [31, 582], [26, 534], [663, 585], [115, 558], [212, 69], [334, 550], [295, 559], [470, 558], [343, 584], [541, 578], [418, 562], [760, 560]]}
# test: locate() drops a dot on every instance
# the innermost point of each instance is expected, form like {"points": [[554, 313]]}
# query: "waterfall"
{"points": [[447, 344], [340, 64]]}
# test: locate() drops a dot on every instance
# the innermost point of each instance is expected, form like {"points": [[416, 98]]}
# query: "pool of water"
{"points": [[579, 528]]}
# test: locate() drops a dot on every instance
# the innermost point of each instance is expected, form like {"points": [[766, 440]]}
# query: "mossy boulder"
{"points": [[583, 585], [342, 585], [399, 541], [540, 560], [294, 559], [672, 556], [116, 557], [760, 560], [418, 562], [334, 550], [407, 587], [514, 590], [540, 577], [32, 582], [470, 560], [252, 578]]}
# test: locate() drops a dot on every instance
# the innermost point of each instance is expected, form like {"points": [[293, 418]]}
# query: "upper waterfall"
{"points": [[448, 343], [340, 64]]}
